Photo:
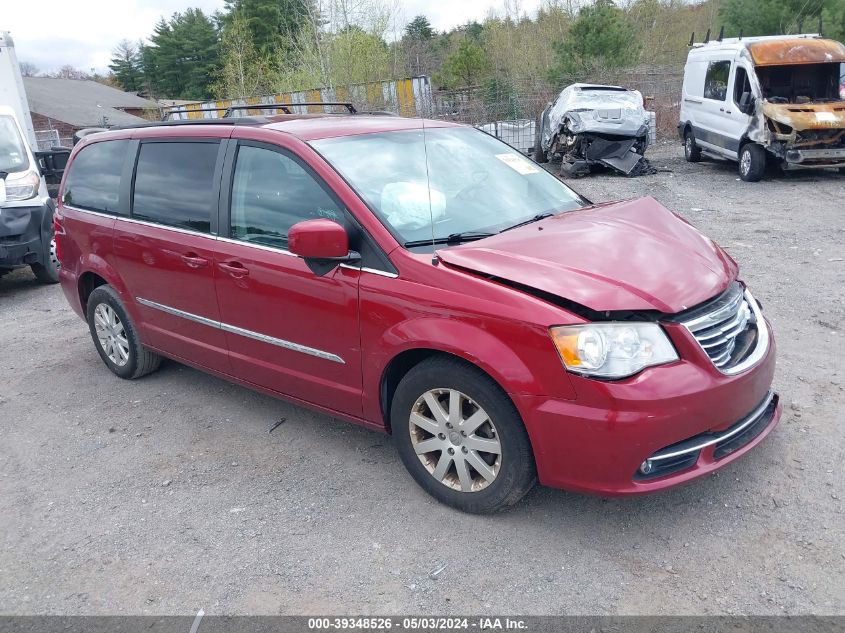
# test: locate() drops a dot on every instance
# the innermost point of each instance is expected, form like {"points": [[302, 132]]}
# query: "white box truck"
{"points": [[26, 209]]}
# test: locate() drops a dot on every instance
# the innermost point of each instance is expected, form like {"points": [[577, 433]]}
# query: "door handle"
{"points": [[194, 261], [721, 109], [727, 111], [234, 268]]}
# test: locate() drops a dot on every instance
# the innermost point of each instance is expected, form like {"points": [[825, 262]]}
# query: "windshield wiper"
{"points": [[536, 218], [452, 238]]}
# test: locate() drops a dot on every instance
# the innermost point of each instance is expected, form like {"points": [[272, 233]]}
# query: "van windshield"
{"points": [[13, 154], [446, 182], [802, 83]]}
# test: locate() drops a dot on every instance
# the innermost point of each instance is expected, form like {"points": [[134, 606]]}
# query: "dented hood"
{"points": [[632, 255], [809, 116]]}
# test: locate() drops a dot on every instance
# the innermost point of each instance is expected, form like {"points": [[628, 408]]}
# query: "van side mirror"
{"points": [[322, 243], [746, 103]]}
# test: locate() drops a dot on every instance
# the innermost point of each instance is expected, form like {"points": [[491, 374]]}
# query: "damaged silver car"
{"points": [[592, 124]]}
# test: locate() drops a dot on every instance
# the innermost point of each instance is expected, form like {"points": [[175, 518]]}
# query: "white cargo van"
{"points": [[760, 100], [26, 209]]}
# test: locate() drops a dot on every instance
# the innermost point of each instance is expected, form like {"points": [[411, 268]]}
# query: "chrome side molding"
{"points": [[233, 329]]}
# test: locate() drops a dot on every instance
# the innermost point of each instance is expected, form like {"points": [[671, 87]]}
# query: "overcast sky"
{"points": [[82, 33]]}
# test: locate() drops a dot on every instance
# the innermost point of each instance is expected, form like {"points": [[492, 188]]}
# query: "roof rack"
{"points": [[284, 107], [756, 38]]}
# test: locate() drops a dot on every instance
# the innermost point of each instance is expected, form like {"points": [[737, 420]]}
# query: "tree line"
{"points": [[257, 47]]}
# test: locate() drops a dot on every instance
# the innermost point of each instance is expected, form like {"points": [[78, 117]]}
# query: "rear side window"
{"points": [[716, 80], [173, 184], [93, 180]]}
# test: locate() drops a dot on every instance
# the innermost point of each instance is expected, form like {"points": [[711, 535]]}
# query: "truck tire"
{"points": [[48, 272], [752, 162], [692, 152]]}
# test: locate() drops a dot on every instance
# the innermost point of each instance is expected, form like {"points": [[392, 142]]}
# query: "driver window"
{"points": [[270, 193], [741, 84]]}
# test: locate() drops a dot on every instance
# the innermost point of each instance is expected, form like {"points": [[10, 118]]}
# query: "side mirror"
{"points": [[746, 103], [322, 243]]}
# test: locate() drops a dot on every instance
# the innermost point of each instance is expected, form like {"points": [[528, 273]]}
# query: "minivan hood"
{"points": [[631, 255]]}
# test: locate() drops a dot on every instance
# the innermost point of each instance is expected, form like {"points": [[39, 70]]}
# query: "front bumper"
{"points": [[598, 442], [21, 231], [814, 158]]}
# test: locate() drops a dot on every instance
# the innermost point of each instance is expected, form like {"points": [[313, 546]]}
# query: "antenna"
{"points": [[434, 259], [692, 38], [721, 33], [801, 24], [707, 37], [821, 33], [740, 33]]}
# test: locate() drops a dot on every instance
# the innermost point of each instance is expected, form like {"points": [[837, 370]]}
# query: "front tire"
{"points": [[116, 337], [461, 438], [752, 162]]}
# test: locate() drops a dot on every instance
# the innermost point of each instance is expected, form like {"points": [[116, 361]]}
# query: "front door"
{"points": [[733, 122], [164, 251], [287, 329]]}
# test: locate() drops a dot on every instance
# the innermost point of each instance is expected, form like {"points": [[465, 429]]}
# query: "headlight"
{"points": [[22, 187], [612, 350]]}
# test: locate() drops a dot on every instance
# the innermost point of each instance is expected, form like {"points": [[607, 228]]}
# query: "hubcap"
{"points": [[745, 162], [689, 146], [111, 334], [455, 440]]}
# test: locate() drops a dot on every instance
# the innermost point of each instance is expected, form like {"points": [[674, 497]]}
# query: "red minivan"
{"points": [[423, 279]]}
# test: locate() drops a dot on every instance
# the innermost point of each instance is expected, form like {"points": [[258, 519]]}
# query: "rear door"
{"points": [[287, 329], [165, 250]]}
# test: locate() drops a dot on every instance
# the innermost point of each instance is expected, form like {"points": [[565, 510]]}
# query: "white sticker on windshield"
{"points": [[518, 163], [825, 116]]}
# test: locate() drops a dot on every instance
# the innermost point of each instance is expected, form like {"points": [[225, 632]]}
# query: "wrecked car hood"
{"points": [[807, 116], [632, 255]]}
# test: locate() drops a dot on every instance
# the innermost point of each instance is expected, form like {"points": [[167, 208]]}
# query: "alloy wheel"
{"points": [[455, 440], [745, 163], [111, 334], [688, 146]]}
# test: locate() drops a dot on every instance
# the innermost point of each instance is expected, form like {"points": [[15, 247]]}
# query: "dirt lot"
{"points": [[168, 494]]}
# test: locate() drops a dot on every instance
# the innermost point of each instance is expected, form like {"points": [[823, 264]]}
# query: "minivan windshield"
{"points": [[13, 155], [447, 184]]}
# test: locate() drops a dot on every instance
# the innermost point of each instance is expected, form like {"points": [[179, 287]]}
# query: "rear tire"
{"points": [[48, 272], [116, 337], [752, 162], [479, 457], [692, 152]]}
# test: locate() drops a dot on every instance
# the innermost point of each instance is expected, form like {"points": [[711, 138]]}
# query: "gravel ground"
{"points": [[168, 494]]}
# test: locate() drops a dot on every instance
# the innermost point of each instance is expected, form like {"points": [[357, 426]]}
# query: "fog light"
{"points": [[646, 467]]}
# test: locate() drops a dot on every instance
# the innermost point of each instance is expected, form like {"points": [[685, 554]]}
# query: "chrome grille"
{"points": [[730, 330]]}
